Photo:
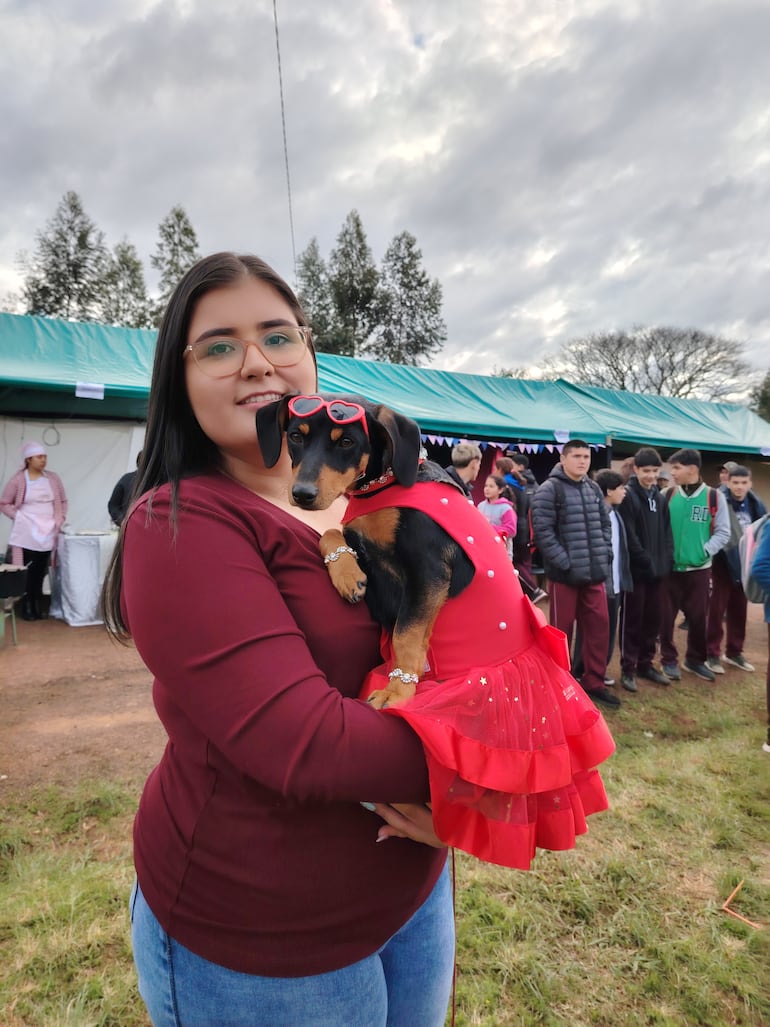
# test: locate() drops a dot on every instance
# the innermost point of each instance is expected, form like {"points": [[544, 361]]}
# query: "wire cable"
{"points": [[285, 145]]}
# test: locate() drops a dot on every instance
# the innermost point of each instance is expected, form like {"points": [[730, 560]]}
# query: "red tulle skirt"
{"points": [[512, 751]]}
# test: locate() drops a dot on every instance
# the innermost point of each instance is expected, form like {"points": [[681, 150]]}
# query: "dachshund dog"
{"points": [[399, 559]]}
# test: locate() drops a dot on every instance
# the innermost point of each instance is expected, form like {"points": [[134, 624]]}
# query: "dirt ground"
{"points": [[73, 704]]}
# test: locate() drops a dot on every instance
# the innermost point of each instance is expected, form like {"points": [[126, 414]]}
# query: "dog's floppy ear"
{"points": [[403, 438], [271, 424]]}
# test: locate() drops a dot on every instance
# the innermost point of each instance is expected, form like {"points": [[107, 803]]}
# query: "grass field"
{"points": [[627, 929]]}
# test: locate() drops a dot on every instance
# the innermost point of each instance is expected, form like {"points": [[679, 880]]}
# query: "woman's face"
{"points": [[37, 463], [491, 489], [225, 407]]}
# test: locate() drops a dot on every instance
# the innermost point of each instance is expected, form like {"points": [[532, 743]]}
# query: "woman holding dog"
{"points": [[263, 896]]}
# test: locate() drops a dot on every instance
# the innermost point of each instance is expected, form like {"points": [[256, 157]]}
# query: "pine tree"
{"points": [[353, 279], [409, 322], [124, 294], [315, 296], [760, 398], [176, 252], [64, 276]]}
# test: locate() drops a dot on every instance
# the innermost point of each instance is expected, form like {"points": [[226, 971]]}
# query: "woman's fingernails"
{"points": [[369, 806]]}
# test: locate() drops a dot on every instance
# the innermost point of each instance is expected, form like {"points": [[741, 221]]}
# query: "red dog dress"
{"points": [[511, 739]]}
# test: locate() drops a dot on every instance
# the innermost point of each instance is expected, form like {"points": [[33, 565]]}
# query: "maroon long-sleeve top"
{"points": [[250, 845]]}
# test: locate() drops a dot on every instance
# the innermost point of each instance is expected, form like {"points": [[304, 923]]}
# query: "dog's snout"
{"points": [[304, 494]]}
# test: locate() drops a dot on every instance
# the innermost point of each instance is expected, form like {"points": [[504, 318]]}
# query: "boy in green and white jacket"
{"points": [[700, 525]]}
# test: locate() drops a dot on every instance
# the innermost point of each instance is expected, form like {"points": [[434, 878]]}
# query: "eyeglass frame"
{"points": [[327, 404], [304, 331]]}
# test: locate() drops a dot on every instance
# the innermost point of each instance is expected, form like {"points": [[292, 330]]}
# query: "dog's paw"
{"points": [[381, 697], [349, 580]]}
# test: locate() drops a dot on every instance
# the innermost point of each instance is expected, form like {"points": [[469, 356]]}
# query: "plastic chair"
{"points": [[13, 585]]}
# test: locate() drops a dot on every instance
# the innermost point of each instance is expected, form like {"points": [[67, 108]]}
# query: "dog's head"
{"points": [[336, 441]]}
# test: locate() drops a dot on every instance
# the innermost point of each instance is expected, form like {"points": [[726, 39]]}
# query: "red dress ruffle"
{"points": [[512, 741]]}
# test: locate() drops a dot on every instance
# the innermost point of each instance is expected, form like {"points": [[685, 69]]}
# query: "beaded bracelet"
{"points": [[337, 553], [408, 679]]}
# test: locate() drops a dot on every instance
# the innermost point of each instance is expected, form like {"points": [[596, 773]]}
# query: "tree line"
{"points": [[390, 313], [684, 363], [73, 274]]}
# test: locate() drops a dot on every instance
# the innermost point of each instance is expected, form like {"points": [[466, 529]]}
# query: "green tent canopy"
{"points": [[51, 368]]}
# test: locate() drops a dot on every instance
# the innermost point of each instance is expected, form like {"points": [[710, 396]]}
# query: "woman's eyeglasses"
{"points": [[339, 411], [221, 356]]}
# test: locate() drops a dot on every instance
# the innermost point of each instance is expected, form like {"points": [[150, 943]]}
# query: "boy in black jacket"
{"points": [[651, 551]]}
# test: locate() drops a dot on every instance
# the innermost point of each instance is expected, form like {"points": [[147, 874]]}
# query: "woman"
{"points": [[35, 500], [498, 510], [263, 896]]}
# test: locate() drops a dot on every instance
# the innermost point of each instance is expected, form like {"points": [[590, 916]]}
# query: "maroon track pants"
{"points": [[687, 591], [586, 606], [727, 597]]}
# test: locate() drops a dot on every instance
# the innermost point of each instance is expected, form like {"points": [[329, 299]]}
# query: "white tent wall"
{"points": [[88, 456]]}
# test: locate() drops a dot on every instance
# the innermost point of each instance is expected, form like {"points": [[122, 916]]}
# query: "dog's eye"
{"points": [[296, 437], [345, 442]]}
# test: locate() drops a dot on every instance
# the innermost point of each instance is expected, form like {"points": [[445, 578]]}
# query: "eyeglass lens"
{"points": [[218, 358]]}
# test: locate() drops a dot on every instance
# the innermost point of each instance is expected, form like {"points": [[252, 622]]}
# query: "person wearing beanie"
{"points": [[36, 502]]}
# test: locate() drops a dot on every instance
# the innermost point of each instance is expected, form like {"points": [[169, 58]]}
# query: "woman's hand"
{"points": [[406, 820]]}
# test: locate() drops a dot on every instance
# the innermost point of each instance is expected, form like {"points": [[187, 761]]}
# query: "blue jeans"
{"points": [[406, 983]]}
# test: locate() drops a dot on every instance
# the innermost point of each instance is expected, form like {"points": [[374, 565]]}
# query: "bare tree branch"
{"points": [[682, 362]]}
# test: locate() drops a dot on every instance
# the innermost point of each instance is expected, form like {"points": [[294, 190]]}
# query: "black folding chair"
{"points": [[13, 585]]}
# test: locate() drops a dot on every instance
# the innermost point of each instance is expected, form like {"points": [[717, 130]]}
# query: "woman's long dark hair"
{"points": [[175, 447]]}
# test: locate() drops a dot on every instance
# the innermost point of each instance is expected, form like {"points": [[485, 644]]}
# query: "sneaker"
{"points": [[738, 661], [671, 670], [700, 670], [539, 595], [605, 696], [653, 674], [715, 664], [609, 682], [628, 681]]}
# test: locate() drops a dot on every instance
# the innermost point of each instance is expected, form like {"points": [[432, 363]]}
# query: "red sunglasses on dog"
{"points": [[339, 411]]}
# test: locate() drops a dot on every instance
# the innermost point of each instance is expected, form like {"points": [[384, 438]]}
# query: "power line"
{"points": [[285, 145]]}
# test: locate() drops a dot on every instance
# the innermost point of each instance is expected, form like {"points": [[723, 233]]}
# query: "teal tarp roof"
{"points": [[43, 360], [448, 403]]}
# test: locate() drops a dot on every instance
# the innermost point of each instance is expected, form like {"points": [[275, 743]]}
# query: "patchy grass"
{"points": [[626, 930]]}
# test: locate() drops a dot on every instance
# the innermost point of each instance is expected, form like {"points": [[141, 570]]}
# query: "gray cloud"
{"points": [[564, 169]]}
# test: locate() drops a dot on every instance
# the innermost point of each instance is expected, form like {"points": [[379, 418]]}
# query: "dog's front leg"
{"points": [[410, 647], [342, 565]]}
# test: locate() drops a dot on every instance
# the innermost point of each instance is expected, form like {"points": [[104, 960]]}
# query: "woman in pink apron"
{"points": [[35, 501]]}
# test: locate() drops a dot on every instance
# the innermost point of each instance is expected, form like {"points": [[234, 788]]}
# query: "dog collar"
{"points": [[375, 485]]}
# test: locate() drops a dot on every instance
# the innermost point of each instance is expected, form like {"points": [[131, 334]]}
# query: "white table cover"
{"points": [[81, 565]]}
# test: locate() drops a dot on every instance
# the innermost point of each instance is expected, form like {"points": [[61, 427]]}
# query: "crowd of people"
{"points": [[623, 552], [623, 556]]}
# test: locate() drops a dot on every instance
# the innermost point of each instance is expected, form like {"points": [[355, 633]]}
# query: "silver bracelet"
{"points": [[337, 553], [408, 679]]}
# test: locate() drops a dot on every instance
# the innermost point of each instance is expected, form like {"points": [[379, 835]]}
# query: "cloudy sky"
{"points": [[567, 166]]}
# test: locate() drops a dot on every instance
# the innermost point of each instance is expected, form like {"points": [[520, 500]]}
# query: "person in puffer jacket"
{"points": [[571, 526]]}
